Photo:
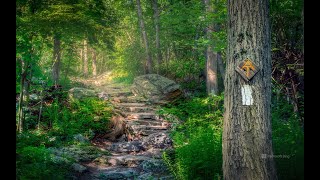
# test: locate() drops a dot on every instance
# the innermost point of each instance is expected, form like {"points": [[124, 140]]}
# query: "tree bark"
{"points": [[24, 66], [211, 57], [81, 60], [41, 106], [157, 28], [85, 58], [56, 59], [148, 68], [221, 69], [247, 142], [94, 61], [67, 71], [302, 21]]}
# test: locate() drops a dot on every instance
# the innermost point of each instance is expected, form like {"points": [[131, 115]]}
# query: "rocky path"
{"points": [[140, 156]]}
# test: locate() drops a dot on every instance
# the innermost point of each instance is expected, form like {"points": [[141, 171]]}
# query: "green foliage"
{"points": [[182, 39], [85, 116], [37, 163], [34, 139], [288, 141], [287, 23], [197, 141]]}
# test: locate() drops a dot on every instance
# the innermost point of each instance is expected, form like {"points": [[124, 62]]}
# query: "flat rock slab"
{"points": [[138, 109], [143, 115], [158, 140], [130, 104], [127, 160], [130, 99], [81, 93], [139, 128], [155, 87], [147, 132], [116, 173], [132, 146], [146, 122]]}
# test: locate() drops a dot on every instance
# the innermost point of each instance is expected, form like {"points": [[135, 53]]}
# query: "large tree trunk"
{"points": [[85, 58], [247, 143], [211, 57], [148, 68], [156, 22], [56, 60], [94, 61]]}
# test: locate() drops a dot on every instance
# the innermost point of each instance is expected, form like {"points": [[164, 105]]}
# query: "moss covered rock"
{"points": [[156, 88]]}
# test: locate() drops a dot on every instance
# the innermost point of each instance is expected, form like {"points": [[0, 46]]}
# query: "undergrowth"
{"points": [[197, 138], [61, 121]]}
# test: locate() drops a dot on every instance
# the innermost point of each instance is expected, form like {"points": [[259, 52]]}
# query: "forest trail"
{"points": [[140, 157]]}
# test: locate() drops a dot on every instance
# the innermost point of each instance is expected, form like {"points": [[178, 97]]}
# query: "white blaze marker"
{"points": [[246, 93]]}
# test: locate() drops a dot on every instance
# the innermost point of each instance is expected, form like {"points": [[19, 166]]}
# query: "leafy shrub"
{"points": [[86, 117], [36, 163], [197, 141], [288, 141]]}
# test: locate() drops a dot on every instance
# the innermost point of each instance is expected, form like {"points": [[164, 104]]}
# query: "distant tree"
{"points": [[157, 29], [148, 68], [211, 56], [85, 58], [94, 62], [56, 59]]}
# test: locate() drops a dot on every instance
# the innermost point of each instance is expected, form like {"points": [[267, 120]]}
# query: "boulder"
{"points": [[156, 88], [80, 93]]}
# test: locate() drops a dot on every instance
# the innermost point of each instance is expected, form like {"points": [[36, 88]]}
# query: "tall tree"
{"points": [[148, 68], [247, 143], [24, 70], [81, 59], [211, 57], [56, 59], [85, 58], [157, 24], [94, 62]]}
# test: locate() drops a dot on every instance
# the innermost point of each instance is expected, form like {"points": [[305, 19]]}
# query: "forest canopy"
{"points": [[98, 48]]}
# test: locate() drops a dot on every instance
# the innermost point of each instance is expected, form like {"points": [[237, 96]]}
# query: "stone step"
{"points": [[147, 132], [119, 93], [132, 146], [116, 173], [127, 160], [129, 104], [144, 115], [138, 109], [128, 99], [141, 128], [146, 122]]}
